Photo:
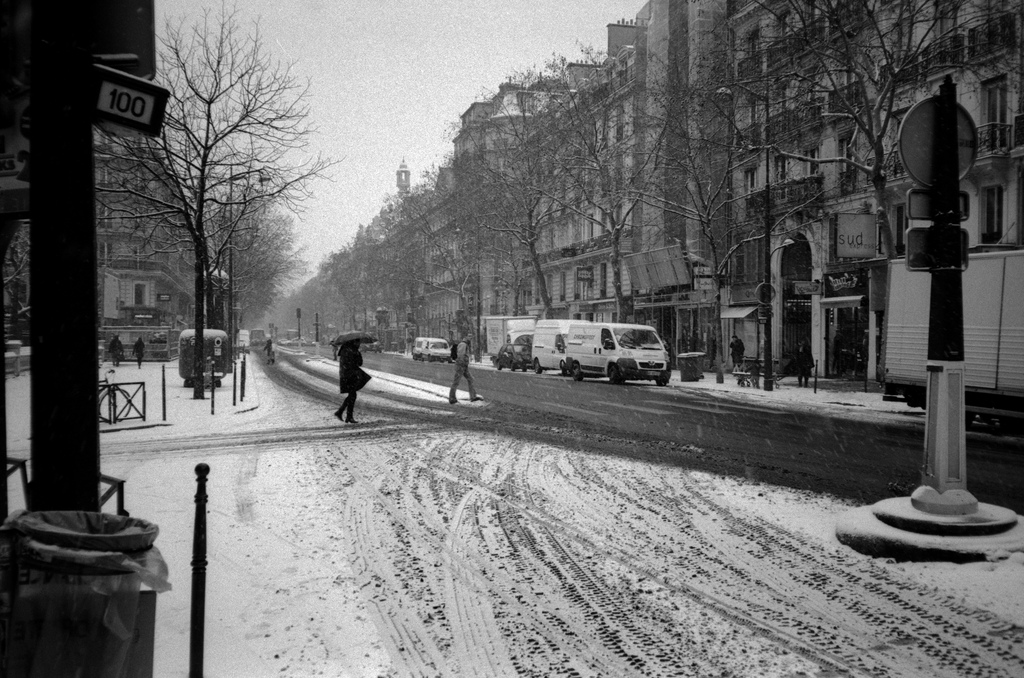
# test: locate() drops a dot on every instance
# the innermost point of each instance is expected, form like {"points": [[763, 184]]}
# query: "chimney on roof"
{"points": [[620, 35]]}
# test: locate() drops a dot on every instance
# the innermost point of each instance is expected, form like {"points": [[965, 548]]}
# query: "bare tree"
{"points": [[234, 141]]}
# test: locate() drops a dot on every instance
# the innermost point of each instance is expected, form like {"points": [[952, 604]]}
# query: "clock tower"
{"points": [[402, 178]]}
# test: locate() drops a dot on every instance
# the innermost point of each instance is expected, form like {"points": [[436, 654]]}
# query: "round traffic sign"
{"points": [[917, 139], [765, 293]]}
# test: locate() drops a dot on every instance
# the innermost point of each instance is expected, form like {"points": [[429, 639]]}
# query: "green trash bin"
{"points": [[74, 580], [690, 366]]}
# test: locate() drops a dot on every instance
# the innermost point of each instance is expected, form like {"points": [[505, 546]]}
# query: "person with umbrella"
{"points": [[351, 376]]}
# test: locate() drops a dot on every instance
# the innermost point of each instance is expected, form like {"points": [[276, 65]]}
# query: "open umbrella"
{"points": [[346, 337]]}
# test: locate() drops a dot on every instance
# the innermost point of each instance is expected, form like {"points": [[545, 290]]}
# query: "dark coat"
{"points": [[139, 349], [351, 377], [804, 358]]}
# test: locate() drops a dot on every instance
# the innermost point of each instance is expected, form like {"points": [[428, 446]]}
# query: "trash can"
{"points": [[73, 589], [690, 366]]}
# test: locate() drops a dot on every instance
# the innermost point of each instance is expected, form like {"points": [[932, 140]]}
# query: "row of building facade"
{"points": [[827, 257]]}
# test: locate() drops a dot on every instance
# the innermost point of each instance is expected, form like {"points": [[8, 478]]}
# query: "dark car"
{"points": [[513, 356]]}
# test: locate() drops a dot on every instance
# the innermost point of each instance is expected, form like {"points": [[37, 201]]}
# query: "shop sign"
{"points": [[585, 274], [846, 284], [163, 296], [806, 287], [856, 236]]}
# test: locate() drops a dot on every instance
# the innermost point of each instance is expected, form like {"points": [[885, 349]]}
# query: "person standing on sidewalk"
{"points": [[736, 351], [804, 363], [116, 350], [139, 350], [462, 370]]}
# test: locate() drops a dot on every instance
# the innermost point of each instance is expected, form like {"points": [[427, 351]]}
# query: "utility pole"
{"points": [[65, 427]]}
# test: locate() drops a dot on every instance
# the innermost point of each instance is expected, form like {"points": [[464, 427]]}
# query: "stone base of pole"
{"points": [[894, 528]]}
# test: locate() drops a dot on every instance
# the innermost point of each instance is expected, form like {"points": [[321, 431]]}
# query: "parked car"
{"points": [[513, 356]]}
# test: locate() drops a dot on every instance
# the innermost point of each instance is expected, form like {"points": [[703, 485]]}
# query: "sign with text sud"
{"points": [[585, 274], [856, 236]]}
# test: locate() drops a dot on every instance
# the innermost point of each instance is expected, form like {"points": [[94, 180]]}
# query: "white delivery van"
{"points": [[421, 348], [618, 351], [549, 345]]}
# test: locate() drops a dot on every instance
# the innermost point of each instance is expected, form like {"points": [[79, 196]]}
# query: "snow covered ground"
{"points": [[312, 524]]}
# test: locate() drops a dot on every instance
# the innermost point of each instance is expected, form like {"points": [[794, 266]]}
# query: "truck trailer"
{"points": [[993, 287]]}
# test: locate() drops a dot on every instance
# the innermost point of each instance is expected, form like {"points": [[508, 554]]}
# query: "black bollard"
{"points": [[243, 379], [195, 660], [163, 389], [234, 383], [213, 389], [815, 376]]}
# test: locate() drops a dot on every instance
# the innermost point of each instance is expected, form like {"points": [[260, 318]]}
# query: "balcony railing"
{"points": [[789, 121], [993, 139], [804, 192], [997, 33], [1018, 131], [945, 52], [893, 167], [847, 95]]}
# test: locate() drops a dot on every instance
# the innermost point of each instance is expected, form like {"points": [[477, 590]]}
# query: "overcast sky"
{"points": [[391, 77]]}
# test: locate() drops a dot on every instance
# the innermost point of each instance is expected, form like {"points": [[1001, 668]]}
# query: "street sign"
{"points": [[806, 287], [128, 102], [765, 293], [919, 204], [916, 142], [921, 250]]}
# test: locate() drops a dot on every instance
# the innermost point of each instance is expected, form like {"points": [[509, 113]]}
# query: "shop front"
{"points": [[844, 305]]}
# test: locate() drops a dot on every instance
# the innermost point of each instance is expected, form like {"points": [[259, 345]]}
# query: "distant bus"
{"points": [[257, 338]]}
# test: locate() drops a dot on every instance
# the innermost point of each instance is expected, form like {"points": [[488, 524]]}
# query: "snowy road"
{"points": [[418, 549]]}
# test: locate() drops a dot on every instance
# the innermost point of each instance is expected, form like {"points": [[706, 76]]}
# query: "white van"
{"points": [[549, 346], [618, 351], [430, 349]]}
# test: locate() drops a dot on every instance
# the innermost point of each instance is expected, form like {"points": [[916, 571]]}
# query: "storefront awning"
{"points": [[734, 312], [842, 302]]}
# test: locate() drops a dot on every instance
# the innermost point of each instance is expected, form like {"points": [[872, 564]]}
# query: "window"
{"points": [[561, 288], [603, 289], [992, 228], [140, 294], [810, 166], [780, 168], [750, 179], [753, 41]]}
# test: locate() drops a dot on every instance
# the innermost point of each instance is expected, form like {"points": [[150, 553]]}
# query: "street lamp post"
{"points": [[767, 300]]}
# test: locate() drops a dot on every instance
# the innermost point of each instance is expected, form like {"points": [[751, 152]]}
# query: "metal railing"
{"points": [[112, 410]]}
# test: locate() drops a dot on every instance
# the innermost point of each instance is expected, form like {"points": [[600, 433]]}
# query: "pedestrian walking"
{"points": [[116, 350], [736, 350], [804, 364], [351, 378], [462, 370], [139, 350], [268, 348]]}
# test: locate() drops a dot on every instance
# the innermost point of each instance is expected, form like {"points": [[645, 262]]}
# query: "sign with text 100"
{"points": [[129, 102]]}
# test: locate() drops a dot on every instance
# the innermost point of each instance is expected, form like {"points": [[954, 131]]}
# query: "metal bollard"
{"points": [[213, 389], [163, 389], [243, 379], [234, 383], [195, 660]]}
